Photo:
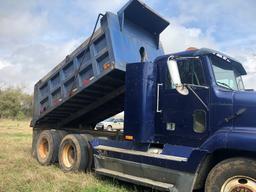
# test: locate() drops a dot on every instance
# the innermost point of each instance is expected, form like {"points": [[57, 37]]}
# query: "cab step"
{"points": [[137, 180]]}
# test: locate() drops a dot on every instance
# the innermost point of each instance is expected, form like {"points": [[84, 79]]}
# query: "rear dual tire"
{"points": [[75, 153], [47, 146]]}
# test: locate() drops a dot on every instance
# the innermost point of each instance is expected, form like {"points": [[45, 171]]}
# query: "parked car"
{"points": [[111, 124]]}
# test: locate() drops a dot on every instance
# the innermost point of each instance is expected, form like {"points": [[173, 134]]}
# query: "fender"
{"points": [[239, 138], [242, 138], [217, 141], [236, 140]]}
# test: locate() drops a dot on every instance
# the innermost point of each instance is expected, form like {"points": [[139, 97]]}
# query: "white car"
{"points": [[111, 124]]}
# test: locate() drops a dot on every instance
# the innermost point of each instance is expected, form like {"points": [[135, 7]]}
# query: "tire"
{"points": [[231, 175], [109, 128], [47, 146], [88, 138], [73, 153]]}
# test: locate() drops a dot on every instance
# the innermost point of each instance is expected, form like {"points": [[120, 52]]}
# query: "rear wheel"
{"points": [[47, 147], [88, 138], [73, 153], [232, 175]]}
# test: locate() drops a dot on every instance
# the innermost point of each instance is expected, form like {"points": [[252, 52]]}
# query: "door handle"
{"points": [[158, 110]]}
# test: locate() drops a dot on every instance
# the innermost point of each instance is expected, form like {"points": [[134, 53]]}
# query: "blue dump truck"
{"points": [[189, 122]]}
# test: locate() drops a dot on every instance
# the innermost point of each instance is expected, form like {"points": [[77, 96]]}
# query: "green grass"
{"points": [[20, 172]]}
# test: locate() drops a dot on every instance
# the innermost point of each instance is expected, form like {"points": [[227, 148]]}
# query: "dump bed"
{"points": [[88, 85]]}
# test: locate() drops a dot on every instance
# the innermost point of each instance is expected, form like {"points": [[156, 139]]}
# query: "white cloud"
{"points": [[98, 6], [249, 62], [26, 65], [36, 35], [18, 26], [3, 64], [178, 38]]}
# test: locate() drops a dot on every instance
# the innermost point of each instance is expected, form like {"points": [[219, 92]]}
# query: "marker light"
{"points": [[86, 81], [128, 137], [107, 66], [191, 49]]}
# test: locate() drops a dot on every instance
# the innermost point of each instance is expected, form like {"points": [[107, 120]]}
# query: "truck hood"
{"points": [[244, 109]]}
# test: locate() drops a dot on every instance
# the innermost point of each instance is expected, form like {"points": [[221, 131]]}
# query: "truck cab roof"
{"points": [[202, 52]]}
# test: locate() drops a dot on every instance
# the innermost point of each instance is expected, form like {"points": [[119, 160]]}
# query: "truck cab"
{"points": [[207, 103], [192, 118]]}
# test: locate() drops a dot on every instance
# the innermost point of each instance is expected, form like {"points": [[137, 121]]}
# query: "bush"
{"points": [[15, 104]]}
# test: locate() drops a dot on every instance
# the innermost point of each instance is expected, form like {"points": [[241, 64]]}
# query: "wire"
{"points": [[85, 50]]}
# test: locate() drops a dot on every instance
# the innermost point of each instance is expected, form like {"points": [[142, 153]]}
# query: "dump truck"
{"points": [[189, 121]]}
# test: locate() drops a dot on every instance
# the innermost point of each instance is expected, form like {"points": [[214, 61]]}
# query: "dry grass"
{"points": [[20, 172]]}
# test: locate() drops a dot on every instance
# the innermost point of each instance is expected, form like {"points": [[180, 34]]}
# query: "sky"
{"points": [[36, 35]]}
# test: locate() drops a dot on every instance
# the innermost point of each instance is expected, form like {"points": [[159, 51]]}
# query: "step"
{"points": [[137, 180]]}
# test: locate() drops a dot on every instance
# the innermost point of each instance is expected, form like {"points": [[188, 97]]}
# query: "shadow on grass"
{"points": [[127, 186]]}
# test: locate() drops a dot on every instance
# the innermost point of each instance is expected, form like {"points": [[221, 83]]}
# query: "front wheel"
{"points": [[232, 175], [109, 128]]}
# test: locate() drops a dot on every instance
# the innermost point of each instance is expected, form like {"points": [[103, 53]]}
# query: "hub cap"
{"points": [[43, 148], [239, 184], [68, 155]]}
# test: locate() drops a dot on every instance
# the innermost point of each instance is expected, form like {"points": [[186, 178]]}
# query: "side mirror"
{"points": [[175, 76]]}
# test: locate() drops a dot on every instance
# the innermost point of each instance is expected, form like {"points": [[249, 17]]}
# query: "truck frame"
{"points": [[189, 122]]}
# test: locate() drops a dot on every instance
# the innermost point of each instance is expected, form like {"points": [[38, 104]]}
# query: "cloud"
{"points": [[228, 26], [17, 27], [178, 38], [36, 35], [248, 58], [26, 65]]}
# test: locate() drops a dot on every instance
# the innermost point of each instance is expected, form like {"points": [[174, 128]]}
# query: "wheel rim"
{"points": [[68, 155], [44, 148], [239, 184]]}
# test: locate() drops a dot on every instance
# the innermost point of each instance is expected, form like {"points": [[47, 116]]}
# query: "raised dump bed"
{"points": [[89, 84]]}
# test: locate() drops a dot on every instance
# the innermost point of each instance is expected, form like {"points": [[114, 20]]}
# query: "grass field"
{"points": [[20, 172]]}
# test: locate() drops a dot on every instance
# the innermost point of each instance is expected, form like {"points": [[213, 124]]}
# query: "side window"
{"points": [[199, 121], [191, 72]]}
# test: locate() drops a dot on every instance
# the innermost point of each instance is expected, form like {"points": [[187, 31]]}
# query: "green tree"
{"points": [[14, 103]]}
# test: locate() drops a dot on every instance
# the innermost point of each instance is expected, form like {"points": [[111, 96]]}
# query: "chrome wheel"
{"points": [[239, 184]]}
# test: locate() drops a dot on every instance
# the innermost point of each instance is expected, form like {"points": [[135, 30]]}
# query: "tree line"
{"points": [[15, 103]]}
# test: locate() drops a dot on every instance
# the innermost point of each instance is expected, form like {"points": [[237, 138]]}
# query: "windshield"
{"points": [[226, 75], [109, 119]]}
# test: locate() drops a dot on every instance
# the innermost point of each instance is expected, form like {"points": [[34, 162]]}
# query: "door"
{"points": [[118, 124], [183, 119]]}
